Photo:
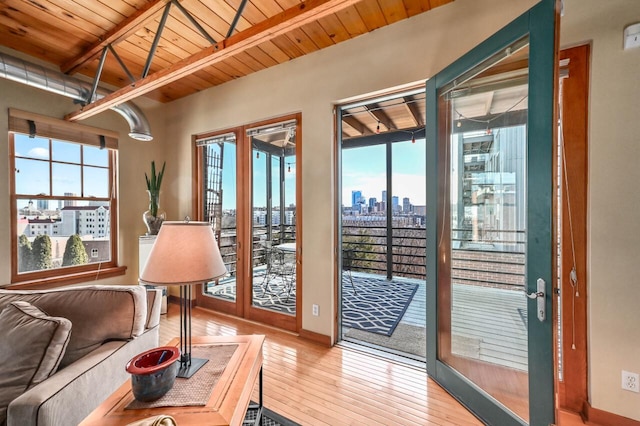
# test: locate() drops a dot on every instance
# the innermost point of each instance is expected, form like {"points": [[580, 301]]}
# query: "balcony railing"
{"points": [[496, 262], [487, 262], [228, 243]]}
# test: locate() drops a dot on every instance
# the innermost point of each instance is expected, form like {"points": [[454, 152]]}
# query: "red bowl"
{"points": [[153, 372], [153, 360]]}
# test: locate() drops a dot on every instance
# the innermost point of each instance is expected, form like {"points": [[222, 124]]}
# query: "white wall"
{"points": [[614, 200], [134, 159], [410, 51]]}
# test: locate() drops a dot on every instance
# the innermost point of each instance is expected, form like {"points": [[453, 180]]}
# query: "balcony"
{"points": [[488, 305]]}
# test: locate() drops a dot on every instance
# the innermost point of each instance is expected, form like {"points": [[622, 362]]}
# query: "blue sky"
{"points": [[259, 179], [364, 169], [33, 177]]}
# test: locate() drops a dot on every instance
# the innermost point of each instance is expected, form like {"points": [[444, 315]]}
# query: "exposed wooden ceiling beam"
{"points": [[381, 116], [270, 28], [413, 109], [116, 34], [357, 125]]}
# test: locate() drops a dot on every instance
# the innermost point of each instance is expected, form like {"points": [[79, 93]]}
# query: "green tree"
{"points": [[41, 251], [25, 255], [74, 252]]}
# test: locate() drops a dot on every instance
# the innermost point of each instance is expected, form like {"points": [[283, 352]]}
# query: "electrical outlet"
{"points": [[316, 311], [630, 381]]}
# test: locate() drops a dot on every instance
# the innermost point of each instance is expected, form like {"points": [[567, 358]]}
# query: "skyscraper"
{"points": [[356, 199], [395, 203], [406, 205]]}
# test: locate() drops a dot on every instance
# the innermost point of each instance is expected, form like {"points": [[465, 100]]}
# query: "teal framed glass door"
{"points": [[490, 139]]}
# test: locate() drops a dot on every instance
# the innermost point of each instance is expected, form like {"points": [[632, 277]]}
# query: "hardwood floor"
{"points": [[315, 385]]}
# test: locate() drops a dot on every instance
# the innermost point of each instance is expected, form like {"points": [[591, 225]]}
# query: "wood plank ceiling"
{"points": [[72, 34]]}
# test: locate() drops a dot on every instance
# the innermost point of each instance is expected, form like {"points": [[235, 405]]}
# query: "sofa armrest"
{"points": [[72, 393], [154, 306]]}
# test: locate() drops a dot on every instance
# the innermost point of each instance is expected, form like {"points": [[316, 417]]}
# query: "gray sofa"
{"points": [[108, 326]]}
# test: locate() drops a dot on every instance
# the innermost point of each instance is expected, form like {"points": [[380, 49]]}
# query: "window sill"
{"points": [[62, 280]]}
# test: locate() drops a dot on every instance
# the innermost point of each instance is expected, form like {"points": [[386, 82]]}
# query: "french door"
{"points": [[490, 134], [248, 191]]}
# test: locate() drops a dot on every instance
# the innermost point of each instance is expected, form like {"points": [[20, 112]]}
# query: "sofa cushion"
{"points": [[33, 344], [99, 313]]}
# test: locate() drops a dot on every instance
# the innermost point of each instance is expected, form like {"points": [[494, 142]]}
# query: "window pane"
{"points": [[49, 228], [66, 180], [31, 147], [96, 182], [65, 151], [54, 232], [32, 177], [95, 156]]}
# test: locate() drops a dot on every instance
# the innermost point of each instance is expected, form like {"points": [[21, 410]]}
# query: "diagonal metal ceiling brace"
{"points": [[120, 32], [193, 21], [270, 28], [236, 18], [96, 79], [156, 40], [122, 64]]}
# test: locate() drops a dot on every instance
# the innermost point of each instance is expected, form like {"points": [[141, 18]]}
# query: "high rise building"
{"points": [[406, 205], [395, 204], [69, 203], [356, 195], [384, 196], [372, 204]]}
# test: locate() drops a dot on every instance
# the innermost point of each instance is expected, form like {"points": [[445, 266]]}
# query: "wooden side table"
{"points": [[228, 402]]}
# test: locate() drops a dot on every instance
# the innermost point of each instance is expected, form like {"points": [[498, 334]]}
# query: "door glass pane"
{"points": [[484, 335], [220, 210], [273, 221], [364, 210]]}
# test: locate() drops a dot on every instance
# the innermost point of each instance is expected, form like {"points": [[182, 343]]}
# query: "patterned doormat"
{"points": [[377, 306], [270, 294], [269, 418]]}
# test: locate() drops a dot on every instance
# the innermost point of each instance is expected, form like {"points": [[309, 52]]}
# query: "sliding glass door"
{"points": [[489, 257]]}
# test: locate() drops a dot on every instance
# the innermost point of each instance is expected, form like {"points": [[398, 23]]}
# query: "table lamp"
{"points": [[184, 253]]}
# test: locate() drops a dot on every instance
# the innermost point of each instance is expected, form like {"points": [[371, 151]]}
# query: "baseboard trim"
{"points": [[322, 339], [595, 416]]}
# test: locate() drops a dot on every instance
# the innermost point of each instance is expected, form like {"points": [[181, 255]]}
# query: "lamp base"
{"points": [[188, 370]]}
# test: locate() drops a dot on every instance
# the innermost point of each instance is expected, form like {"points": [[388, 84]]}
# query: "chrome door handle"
{"points": [[540, 296]]}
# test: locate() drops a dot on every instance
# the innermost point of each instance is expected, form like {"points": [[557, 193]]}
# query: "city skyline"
{"points": [[364, 169]]}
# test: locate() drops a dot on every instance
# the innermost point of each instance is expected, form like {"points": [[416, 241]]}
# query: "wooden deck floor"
{"points": [[315, 385], [488, 324]]}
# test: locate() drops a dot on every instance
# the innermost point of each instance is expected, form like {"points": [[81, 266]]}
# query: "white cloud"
{"points": [[41, 153]]}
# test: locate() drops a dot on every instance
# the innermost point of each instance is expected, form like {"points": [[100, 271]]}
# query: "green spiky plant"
{"points": [[153, 186]]}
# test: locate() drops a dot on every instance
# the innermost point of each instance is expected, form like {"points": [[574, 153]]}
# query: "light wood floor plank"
{"points": [[315, 385]]}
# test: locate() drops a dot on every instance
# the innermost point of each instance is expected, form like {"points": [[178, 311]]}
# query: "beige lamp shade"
{"points": [[184, 253]]}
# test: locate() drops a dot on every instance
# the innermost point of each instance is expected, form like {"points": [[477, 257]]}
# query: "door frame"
{"points": [[539, 23], [243, 305]]}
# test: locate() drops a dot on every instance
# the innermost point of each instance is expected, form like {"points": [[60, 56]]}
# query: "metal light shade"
{"points": [[184, 254]]}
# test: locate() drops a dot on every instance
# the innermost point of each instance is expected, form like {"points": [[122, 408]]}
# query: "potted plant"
{"points": [[154, 217]]}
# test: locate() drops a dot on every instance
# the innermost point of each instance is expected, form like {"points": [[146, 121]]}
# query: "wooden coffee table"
{"points": [[229, 399]]}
